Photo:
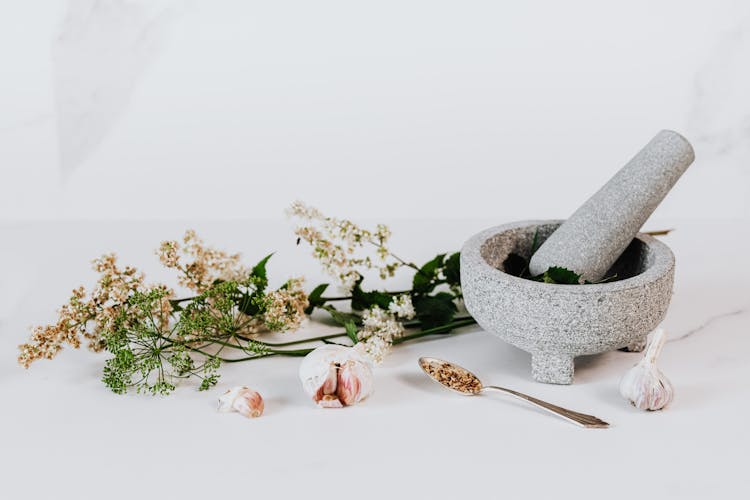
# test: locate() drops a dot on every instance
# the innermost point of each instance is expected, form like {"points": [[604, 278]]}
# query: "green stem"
{"points": [[456, 323], [294, 353], [177, 301], [407, 324], [332, 299], [438, 329], [302, 341]]}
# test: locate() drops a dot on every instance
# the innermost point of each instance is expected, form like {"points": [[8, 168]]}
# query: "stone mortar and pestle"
{"points": [[555, 322]]}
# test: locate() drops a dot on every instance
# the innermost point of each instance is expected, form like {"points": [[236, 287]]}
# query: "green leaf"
{"points": [[259, 272], [251, 303], [452, 270], [314, 299], [434, 310], [515, 265], [425, 279], [560, 276], [342, 318], [351, 331], [364, 300]]}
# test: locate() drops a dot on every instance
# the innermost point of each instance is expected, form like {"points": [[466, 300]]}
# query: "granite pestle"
{"points": [[592, 239]]}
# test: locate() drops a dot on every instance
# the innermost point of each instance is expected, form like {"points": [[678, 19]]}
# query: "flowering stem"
{"points": [[331, 299], [304, 341], [456, 322], [403, 262], [303, 352], [295, 353]]}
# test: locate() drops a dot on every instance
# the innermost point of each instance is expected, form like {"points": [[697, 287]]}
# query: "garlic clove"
{"points": [[249, 403], [243, 400], [349, 385], [327, 388], [336, 376], [226, 399], [644, 385]]}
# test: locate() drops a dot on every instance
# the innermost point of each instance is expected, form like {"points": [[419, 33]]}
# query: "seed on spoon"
{"points": [[451, 375]]}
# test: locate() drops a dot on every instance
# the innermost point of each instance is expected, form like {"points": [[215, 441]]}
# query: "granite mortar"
{"points": [[557, 323]]}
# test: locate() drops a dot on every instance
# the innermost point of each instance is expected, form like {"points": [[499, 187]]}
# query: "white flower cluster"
{"points": [[380, 328], [339, 245], [401, 306]]}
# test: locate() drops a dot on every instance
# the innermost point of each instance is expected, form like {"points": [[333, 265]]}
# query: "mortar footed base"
{"points": [[552, 368]]}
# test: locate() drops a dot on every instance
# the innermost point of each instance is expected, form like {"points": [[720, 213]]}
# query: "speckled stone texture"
{"points": [[556, 323], [592, 239]]}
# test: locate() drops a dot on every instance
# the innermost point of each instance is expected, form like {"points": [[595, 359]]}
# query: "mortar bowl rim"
{"points": [[471, 253]]}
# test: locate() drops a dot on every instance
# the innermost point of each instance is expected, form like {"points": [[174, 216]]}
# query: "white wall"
{"points": [[124, 109]]}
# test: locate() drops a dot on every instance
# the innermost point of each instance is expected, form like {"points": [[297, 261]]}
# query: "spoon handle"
{"points": [[581, 419]]}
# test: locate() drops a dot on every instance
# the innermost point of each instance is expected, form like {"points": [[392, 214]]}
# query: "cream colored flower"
{"points": [[285, 307], [380, 328], [339, 245], [401, 306], [200, 266]]}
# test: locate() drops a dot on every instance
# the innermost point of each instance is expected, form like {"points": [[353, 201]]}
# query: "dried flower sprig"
{"points": [[86, 317], [432, 301], [200, 266], [340, 246], [155, 339]]}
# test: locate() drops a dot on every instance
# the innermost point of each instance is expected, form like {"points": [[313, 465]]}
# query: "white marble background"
{"points": [[179, 109], [150, 116]]}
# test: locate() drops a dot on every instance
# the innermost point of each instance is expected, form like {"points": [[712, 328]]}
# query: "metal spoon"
{"points": [[463, 381]]}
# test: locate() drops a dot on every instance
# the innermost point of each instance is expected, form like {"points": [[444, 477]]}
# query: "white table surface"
{"points": [[64, 435]]}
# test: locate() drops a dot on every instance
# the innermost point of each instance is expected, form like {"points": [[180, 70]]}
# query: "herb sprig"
{"points": [[154, 339]]}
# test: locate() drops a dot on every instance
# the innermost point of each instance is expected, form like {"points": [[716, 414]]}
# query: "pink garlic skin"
{"points": [[249, 403], [336, 376], [243, 400], [349, 386], [644, 385]]}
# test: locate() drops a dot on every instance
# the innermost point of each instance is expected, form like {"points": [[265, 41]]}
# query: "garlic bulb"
{"points": [[243, 400], [644, 385], [336, 376]]}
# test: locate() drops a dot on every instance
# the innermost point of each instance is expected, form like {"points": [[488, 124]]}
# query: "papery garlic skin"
{"points": [[226, 399], [644, 385], [243, 400], [249, 403], [336, 376]]}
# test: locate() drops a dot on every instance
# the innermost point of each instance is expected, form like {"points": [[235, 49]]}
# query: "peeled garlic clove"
{"points": [[349, 385], [336, 376], [243, 400], [328, 386], [644, 385]]}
